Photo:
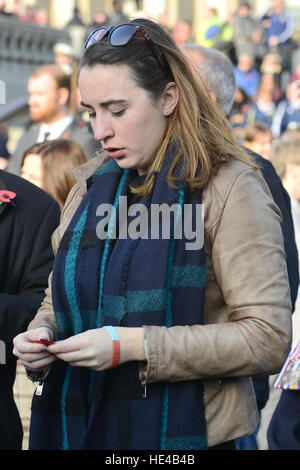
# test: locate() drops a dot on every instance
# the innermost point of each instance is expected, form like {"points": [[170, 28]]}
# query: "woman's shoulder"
{"points": [[222, 180], [233, 180]]}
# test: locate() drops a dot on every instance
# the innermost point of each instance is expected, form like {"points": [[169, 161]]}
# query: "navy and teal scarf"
{"points": [[129, 283]]}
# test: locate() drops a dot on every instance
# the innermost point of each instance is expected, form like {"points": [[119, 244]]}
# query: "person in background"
{"points": [[287, 115], [247, 76], [286, 160], [269, 81], [164, 140], [209, 31], [49, 165], [117, 16], [258, 138], [28, 217], [278, 24], [242, 106], [284, 428], [100, 19], [183, 33], [64, 56], [263, 108], [49, 104], [296, 74], [212, 65], [248, 34], [4, 153]]}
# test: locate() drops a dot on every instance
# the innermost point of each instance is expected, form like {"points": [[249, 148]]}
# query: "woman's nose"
{"points": [[102, 129]]}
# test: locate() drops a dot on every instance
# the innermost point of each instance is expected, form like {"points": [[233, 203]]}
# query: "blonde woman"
{"points": [[157, 332]]}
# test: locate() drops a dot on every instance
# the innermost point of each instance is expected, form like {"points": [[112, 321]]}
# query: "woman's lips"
{"points": [[115, 153]]}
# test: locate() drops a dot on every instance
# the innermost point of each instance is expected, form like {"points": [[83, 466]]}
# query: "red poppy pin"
{"points": [[66, 135], [6, 196]]}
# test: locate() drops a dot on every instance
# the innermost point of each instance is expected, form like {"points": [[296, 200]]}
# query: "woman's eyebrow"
{"points": [[104, 103], [85, 105]]}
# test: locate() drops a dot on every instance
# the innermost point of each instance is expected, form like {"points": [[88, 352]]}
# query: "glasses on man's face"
{"points": [[121, 35]]}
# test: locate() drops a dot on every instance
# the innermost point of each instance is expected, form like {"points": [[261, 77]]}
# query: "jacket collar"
{"points": [[83, 172]]}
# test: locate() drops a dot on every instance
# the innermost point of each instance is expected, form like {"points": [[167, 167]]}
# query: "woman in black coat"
{"points": [[28, 217]]}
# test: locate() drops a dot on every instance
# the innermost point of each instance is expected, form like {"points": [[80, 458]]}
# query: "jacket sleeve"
{"points": [[45, 315], [17, 310], [249, 267]]}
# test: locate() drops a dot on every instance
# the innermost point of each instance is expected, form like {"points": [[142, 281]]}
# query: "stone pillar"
{"points": [[61, 13], [172, 11]]}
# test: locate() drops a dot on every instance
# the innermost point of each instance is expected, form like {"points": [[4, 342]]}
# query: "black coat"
{"points": [[282, 199], [26, 259]]}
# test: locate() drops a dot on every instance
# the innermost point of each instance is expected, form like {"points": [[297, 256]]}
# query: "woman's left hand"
{"points": [[93, 348]]}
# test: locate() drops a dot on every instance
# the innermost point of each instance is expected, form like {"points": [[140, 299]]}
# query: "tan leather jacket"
{"points": [[247, 327]]}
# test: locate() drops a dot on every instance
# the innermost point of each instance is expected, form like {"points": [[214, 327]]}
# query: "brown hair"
{"points": [[58, 157], [251, 131], [284, 151], [202, 133], [61, 78]]}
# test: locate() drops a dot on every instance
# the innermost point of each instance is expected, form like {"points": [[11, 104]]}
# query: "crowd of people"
{"points": [[170, 339]]}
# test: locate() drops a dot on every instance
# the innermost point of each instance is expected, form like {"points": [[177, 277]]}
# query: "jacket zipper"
{"points": [[39, 388], [144, 384]]}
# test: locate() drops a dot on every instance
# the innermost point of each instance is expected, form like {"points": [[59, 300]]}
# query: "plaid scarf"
{"points": [[123, 282]]}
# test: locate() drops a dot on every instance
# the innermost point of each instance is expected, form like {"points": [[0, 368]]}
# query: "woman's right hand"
{"points": [[34, 356]]}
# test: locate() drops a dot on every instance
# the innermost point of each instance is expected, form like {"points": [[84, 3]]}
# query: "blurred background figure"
{"points": [[296, 73], [269, 81], [209, 31], [279, 26], [248, 34], [283, 431], [271, 64], [183, 33], [287, 116], [117, 16], [258, 138], [242, 105], [263, 108], [247, 76], [100, 19], [64, 54], [49, 103], [4, 153], [285, 157], [49, 166]]}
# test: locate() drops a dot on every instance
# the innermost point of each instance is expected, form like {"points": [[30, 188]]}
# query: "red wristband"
{"points": [[115, 345], [115, 354]]}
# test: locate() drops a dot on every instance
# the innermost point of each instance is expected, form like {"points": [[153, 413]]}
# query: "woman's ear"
{"points": [[170, 98]]}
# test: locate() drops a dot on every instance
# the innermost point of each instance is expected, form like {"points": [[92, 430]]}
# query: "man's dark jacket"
{"points": [[26, 260], [282, 199]]}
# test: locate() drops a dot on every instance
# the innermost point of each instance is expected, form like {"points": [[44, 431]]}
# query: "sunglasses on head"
{"points": [[121, 35]]}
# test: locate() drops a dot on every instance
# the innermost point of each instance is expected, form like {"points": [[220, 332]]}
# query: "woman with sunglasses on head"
{"points": [[156, 336]]}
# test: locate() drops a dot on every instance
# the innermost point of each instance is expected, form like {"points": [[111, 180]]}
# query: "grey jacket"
{"points": [[74, 131], [248, 321]]}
